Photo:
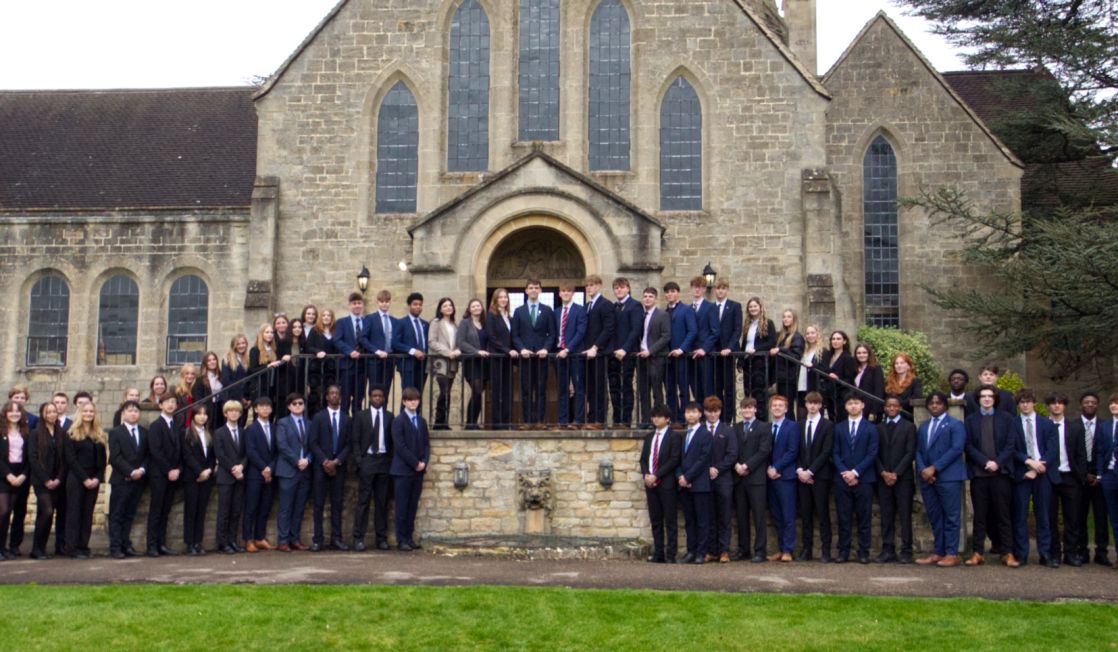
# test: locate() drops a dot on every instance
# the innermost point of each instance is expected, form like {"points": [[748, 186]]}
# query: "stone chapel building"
{"points": [[453, 146]]}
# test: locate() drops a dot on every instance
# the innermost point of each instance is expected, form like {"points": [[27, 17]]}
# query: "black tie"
{"points": [[810, 433], [135, 436]]}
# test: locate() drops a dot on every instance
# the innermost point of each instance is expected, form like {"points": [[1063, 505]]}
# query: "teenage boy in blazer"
{"points": [[814, 473], [376, 340], [855, 454], [260, 482], [600, 315], [411, 452], [693, 480], [723, 456], [755, 445], [229, 445], [293, 468], [684, 332], [372, 448], [128, 451], [660, 457], [628, 322], [329, 441], [896, 486], [348, 335], [730, 323], [410, 335], [656, 337], [570, 333], [165, 456], [782, 477]]}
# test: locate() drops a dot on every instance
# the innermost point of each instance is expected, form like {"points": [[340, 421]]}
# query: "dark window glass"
{"points": [[468, 93], [397, 151], [681, 149], [48, 323], [609, 87], [879, 210], [119, 312], [539, 70], [187, 317]]}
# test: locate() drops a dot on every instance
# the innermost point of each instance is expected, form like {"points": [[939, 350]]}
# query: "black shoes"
{"points": [[382, 545], [152, 552], [905, 558], [688, 558], [805, 555], [359, 546], [863, 558], [116, 554], [886, 557], [1073, 561], [404, 547], [164, 550], [338, 545], [316, 547], [656, 559], [758, 559]]}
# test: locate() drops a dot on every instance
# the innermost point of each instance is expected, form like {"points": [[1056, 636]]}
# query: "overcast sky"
{"points": [[172, 43]]}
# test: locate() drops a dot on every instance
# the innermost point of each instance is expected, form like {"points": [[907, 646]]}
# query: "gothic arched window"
{"points": [[879, 215], [681, 148], [608, 110], [118, 317], [188, 306], [48, 322], [539, 70], [468, 90], [397, 151]]}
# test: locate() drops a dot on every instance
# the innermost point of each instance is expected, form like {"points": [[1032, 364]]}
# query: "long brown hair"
{"points": [[762, 321], [493, 307], [893, 383], [787, 334], [21, 425]]}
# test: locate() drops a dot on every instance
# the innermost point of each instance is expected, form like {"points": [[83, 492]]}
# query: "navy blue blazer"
{"points": [[575, 334], [861, 455], [695, 464], [526, 335], [600, 325], [1048, 445], [373, 338], [345, 337], [261, 452], [629, 325], [730, 326], [706, 320], [1006, 429], [410, 445], [322, 437], [685, 330], [945, 452], [786, 449], [403, 335], [1104, 449], [291, 447]]}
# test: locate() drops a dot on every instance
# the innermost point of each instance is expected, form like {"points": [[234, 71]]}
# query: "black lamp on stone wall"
{"points": [[363, 279], [461, 475], [605, 474], [709, 275]]}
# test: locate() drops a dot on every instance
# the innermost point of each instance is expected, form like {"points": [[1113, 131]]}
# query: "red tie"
{"points": [[563, 329], [655, 453]]}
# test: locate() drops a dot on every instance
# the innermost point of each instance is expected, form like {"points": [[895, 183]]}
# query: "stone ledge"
{"points": [[531, 548], [576, 435]]}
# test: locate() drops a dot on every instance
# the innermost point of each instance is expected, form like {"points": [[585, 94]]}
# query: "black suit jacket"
{"points": [[724, 453], [1005, 441], [364, 437], [164, 448], [628, 325], [817, 458], [1075, 442], [600, 325], [873, 383], [85, 459], [44, 454], [755, 447], [322, 438], [228, 453], [124, 455], [896, 448], [194, 460], [671, 452]]}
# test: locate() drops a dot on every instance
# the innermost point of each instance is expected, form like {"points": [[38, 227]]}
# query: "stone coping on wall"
{"points": [[576, 435]]}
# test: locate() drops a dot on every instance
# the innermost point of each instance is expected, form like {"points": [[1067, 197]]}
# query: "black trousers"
{"points": [[1065, 497], [725, 385], [756, 378], [500, 383], [750, 502], [992, 498], [597, 388], [162, 497], [814, 501], [533, 389], [124, 499], [650, 380], [374, 485], [723, 492], [662, 512], [46, 506], [19, 513], [230, 505], [1093, 501], [196, 498], [258, 505], [851, 502], [60, 513], [896, 502], [79, 518], [621, 389], [442, 401], [334, 486]]}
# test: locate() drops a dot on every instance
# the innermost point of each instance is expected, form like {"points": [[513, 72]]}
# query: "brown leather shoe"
{"points": [[284, 548], [300, 547], [775, 556], [724, 558], [1011, 561], [949, 561], [263, 544], [786, 557], [593, 426], [709, 558], [976, 559], [250, 546], [929, 560]]}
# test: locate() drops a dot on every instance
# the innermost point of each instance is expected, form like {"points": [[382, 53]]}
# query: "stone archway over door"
{"points": [[535, 251]]}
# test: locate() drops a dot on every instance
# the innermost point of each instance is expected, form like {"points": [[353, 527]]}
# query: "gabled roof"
{"points": [[884, 19], [807, 75], [497, 177], [127, 149]]}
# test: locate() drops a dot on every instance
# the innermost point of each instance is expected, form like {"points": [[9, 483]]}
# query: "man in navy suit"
{"points": [[701, 378], [600, 316], [1106, 464], [330, 437], [991, 445], [348, 335], [728, 342], [855, 454], [376, 339], [940, 467], [261, 452], [628, 319], [411, 450], [782, 477], [293, 470], [693, 480], [1036, 460], [410, 336], [684, 332], [533, 334], [570, 333], [660, 457]]}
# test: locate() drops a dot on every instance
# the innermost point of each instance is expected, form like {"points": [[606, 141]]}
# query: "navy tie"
{"points": [[334, 427], [415, 421]]}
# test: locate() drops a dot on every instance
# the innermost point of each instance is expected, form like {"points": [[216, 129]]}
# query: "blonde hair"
{"points": [[80, 431], [786, 334], [231, 357], [267, 354], [817, 348], [182, 389]]}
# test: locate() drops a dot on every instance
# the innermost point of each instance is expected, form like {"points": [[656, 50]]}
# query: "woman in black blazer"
{"points": [[209, 383], [14, 472], [234, 368], [790, 343], [903, 383], [320, 343], [498, 335], [473, 342], [198, 462], [86, 456], [285, 374], [839, 365], [869, 378], [758, 337], [47, 475], [808, 377]]}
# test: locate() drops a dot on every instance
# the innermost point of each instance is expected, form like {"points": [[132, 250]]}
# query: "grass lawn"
{"points": [[431, 618]]}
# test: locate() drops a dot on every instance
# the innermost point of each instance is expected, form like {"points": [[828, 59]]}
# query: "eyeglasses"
{"points": [[296, 402], [279, 314]]}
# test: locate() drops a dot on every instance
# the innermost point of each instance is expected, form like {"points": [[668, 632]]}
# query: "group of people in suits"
{"points": [[1015, 459]]}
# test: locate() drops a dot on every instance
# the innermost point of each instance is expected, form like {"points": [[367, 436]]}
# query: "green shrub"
{"points": [[887, 342], [1012, 381]]}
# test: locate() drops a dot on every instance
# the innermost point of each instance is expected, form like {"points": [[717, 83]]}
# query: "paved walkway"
{"points": [[995, 582]]}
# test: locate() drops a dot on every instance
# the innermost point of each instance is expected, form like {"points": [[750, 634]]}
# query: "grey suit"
{"points": [[650, 370]]}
